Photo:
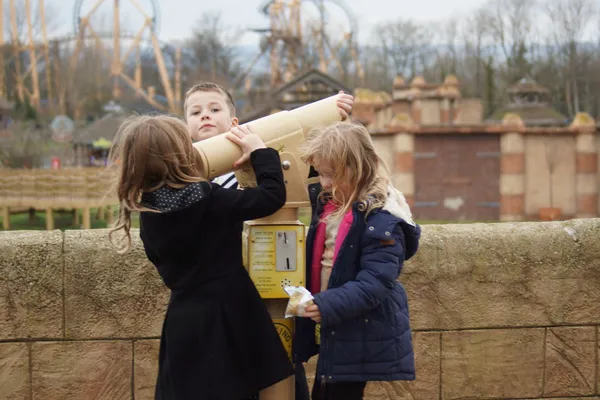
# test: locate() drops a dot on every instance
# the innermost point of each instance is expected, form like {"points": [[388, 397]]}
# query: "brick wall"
{"points": [[456, 177], [499, 311]]}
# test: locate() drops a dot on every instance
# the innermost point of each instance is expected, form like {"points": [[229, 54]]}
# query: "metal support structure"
{"points": [[47, 66], [31, 48], [16, 51], [33, 68], [118, 58], [2, 67], [58, 83], [178, 75], [286, 39], [116, 65]]}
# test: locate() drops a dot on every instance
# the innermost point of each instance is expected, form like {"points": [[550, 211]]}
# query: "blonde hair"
{"points": [[148, 153], [210, 87], [347, 148]]}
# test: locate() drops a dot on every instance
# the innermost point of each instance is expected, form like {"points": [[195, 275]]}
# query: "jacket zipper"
{"points": [[329, 283], [324, 376]]}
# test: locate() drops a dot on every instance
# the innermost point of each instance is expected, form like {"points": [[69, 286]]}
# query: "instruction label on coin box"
{"points": [[274, 257]]}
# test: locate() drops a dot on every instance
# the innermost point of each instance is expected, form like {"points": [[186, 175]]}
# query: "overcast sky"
{"points": [[178, 17]]}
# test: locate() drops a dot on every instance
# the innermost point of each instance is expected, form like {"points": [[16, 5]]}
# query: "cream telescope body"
{"points": [[284, 131]]}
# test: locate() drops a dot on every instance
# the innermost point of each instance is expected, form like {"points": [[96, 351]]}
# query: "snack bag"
{"points": [[300, 298]]}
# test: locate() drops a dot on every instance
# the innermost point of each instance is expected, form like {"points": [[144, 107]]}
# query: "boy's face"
{"points": [[208, 115]]}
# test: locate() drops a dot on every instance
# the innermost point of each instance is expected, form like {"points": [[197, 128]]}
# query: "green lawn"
{"points": [[63, 219]]}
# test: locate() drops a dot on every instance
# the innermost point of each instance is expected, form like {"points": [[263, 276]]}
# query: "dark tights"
{"points": [[338, 390]]}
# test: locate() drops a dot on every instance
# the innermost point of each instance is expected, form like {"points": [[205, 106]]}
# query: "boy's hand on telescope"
{"points": [[345, 103], [247, 140]]}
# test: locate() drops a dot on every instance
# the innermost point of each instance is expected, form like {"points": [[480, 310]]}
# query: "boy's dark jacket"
{"points": [[365, 331]]}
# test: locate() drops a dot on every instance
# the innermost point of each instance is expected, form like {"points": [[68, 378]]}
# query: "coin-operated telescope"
{"points": [[274, 247]]}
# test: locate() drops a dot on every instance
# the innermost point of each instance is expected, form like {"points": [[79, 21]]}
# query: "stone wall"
{"points": [[500, 311]]}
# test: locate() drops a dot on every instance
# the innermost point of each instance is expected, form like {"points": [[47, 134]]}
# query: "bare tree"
{"points": [[476, 35], [570, 19], [447, 53], [212, 51], [405, 45], [376, 65], [511, 23]]}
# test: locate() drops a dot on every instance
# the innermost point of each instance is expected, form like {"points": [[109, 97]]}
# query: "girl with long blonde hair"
{"points": [[218, 340], [360, 235]]}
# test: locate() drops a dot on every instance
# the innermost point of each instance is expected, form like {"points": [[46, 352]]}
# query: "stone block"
{"points": [[570, 361], [311, 369], [427, 384], [109, 295], [82, 370], [145, 368], [484, 364], [14, 371], [574, 398], [512, 163], [404, 162], [505, 274], [31, 266]]}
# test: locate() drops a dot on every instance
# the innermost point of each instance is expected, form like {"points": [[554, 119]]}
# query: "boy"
{"points": [[209, 110]]}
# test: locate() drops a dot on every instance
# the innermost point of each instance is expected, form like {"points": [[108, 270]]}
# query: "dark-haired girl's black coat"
{"points": [[218, 340]]}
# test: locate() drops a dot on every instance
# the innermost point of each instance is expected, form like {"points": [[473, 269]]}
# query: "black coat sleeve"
{"points": [[258, 202]]}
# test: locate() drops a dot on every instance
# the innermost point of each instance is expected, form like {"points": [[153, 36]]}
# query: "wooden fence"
{"points": [[52, 189]]}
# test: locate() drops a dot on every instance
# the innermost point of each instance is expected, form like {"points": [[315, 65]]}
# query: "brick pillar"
{"points": [[363, 112], [512, 171], [403, 177], [455, 110], [445, 111], [415, 111], [586, 166]]}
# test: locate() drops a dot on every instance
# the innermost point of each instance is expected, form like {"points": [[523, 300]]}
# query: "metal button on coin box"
{"points": [[274, 256]]}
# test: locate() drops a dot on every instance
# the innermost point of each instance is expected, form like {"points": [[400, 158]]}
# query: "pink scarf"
{"points": [[319, 244]]}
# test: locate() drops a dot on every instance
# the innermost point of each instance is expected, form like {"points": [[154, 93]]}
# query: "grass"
{"points": [[63, 220]]}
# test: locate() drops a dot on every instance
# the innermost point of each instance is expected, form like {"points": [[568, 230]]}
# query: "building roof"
{"points": [[530, 101], [527, 85], [103, 128], [5, 105], [531, 115], [308, 87]]}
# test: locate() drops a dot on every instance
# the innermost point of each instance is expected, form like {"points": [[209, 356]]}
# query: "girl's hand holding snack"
{"points": [[312, 312], [300, 300]]}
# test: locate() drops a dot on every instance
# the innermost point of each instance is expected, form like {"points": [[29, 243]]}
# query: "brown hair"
{"points": [[148, 153], [347, 148], [210, 87]]}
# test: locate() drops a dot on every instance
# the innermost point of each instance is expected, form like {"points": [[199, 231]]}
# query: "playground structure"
{"points": [[62, 56], [301, 35], [49, 190], [294, 33]]}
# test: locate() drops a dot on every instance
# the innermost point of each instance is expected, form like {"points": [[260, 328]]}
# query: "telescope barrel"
{"points": [[219, 153]]}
